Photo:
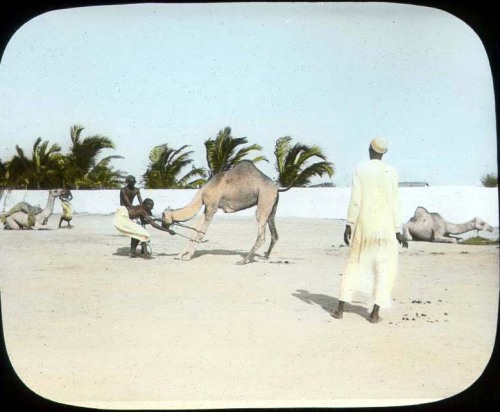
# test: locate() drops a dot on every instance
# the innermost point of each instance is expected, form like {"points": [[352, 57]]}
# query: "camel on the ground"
{"points": [[19, 218], [237, 189], [432, 227]]}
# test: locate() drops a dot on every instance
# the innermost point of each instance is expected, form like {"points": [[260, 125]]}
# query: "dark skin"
{"points": [[129, 192], [374, 315], [69, 197], [143, 212]]}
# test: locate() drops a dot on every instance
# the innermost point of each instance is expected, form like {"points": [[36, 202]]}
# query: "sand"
{"points": [[85, 324]]}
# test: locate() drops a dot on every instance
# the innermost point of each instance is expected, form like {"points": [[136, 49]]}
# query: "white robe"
{"points": [[127, 227], [374, 212]]}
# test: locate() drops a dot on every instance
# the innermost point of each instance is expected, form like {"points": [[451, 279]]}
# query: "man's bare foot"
{"points": [[374, 317], [338, 314]]}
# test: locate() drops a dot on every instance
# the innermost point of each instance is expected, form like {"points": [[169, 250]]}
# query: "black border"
{"points": [[483, 395]]}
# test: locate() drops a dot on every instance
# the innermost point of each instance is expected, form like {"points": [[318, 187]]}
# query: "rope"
{"points": [[188, 238], [187, 227]]}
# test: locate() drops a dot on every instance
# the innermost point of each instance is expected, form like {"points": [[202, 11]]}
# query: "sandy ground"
{"points": [[85, 324]]}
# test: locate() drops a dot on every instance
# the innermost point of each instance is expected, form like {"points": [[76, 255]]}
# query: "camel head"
{"points": [[57, 192], [167, 218], [480, 224]]}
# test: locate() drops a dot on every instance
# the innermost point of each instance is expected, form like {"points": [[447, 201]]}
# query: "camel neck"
{"points": [[458, 228], [50, 203], [190, 210]]}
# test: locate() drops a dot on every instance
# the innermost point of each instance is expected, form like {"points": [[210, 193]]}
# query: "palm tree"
{"points": [[41, 171], [221, 151], [293, 163], [166, 165], [103, 176], [489, 180], [81, 161]]}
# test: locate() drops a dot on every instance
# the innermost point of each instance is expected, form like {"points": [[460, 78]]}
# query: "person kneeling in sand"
{"points": [[123, 221]]}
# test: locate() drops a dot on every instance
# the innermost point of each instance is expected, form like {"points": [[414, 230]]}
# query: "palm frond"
{"points": [[75, 133], [166, 164], [223, 152], [293, 163]]}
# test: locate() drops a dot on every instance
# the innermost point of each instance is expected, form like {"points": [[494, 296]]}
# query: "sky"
{"points": [[333, 75]]}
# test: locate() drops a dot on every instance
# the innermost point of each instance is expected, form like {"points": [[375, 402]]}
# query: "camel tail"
{"points": [[284, 189]]}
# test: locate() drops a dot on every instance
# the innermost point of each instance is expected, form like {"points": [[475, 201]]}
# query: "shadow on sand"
{"points": [[122, 251], [328, 303], [125, 251], [217, 252]]}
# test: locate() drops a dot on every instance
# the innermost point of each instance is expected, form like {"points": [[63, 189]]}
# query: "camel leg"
{"points": [[441, 238], [406, 232], [444, 239], [187, 249], [201, 229], [457, 238], [12, 224], [264, 216], [261, 238], [272, 229]]}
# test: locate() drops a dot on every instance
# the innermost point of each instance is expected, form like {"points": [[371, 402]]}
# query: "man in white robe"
{"points": [[374, 213], [124, 222]]}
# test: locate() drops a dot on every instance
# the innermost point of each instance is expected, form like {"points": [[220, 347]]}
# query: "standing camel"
{"points": [[18, 218], [432, 227], [237, 189]]}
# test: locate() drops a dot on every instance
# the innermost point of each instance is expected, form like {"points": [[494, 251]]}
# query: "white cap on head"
{"points": [[379, 145]]}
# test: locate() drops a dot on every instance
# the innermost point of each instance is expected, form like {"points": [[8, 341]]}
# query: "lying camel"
{"points": [[237, 189], [25, 216], [431, 227]]}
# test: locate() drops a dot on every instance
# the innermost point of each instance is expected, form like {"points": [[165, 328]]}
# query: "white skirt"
{"points": [[128, 227]]}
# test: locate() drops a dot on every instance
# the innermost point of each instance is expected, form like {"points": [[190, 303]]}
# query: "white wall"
{"points": [[455, 203]]}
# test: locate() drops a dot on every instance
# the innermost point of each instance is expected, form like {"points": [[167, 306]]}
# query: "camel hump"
{"points": [[244, 166], [420, 212], [245, 169], [24, 207], [245, 162]]}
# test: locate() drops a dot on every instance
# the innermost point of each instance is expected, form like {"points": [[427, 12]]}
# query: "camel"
{"points": [[432, 227], [25, 216], [239, 188]]}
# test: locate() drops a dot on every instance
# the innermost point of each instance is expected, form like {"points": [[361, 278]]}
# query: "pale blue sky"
{"points": [[332, 74]]}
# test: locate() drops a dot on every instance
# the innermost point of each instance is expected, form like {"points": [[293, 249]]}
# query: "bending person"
{"points": [[67, 213], [123, 221]]}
